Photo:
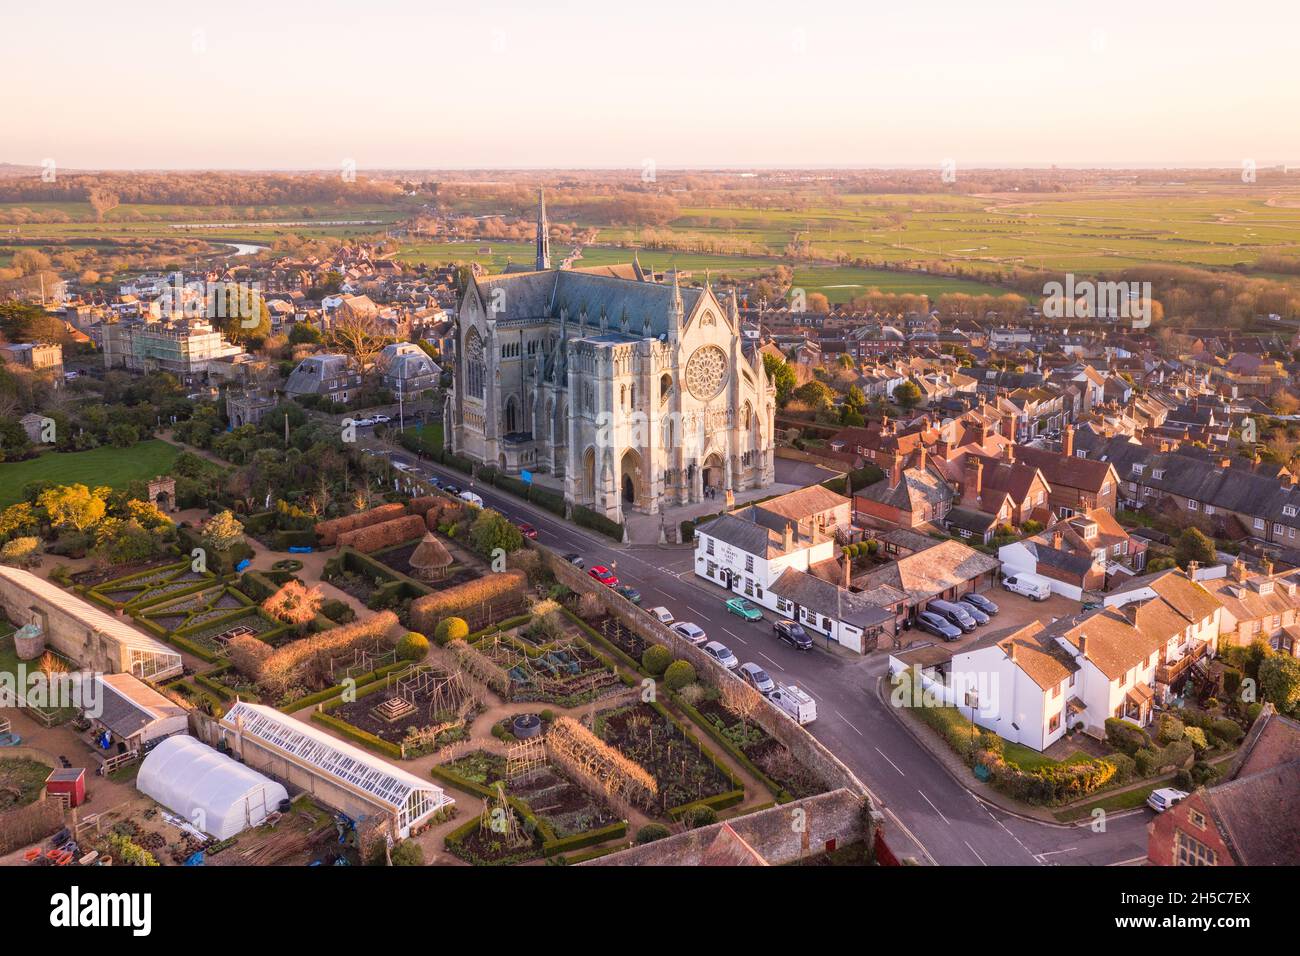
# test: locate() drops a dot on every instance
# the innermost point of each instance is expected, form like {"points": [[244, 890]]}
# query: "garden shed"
{"points": [[216, 794]]}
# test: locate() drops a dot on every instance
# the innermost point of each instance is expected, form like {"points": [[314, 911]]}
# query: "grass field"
{"points": [[115, 467]]}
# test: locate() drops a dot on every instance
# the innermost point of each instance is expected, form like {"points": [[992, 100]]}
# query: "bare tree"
{"points": [[739, 698]]}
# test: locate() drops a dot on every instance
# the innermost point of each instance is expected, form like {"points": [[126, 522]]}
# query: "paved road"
{"points": [[916, 791]]}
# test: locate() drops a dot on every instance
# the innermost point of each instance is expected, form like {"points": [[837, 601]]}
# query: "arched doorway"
{"points": [[629, 467], [713, 471]]}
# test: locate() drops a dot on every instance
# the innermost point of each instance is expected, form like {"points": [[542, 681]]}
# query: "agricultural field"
{"points": [[114, 467]]}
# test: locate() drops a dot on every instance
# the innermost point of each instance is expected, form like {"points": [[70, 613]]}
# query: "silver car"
{"points": [[692, 632], [757, 678], [722, 654]]}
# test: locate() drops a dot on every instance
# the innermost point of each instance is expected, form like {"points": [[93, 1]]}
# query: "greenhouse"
{"points": [[216, 794]]}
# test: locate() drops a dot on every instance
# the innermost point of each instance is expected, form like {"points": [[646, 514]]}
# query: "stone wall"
{"points": [[805, 748], [780, 835]]}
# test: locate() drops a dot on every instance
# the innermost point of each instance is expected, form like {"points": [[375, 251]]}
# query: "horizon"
{"points": [[838, 87]]}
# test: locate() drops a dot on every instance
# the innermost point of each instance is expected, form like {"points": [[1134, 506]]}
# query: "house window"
{"points": [[1054, 724], [1191, 852], [1158, 473], [708, 546], [1259, 524], [1197, 818], [1278, 528], [749, 563], [1192, 505]]}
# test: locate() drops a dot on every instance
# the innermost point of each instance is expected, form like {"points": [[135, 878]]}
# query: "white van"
{"points": [[1032, 586], [794, 703], [472, 498]]}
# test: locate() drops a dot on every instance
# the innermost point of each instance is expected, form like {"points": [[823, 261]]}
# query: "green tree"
{"points": [[413, 646], [781, 375], [304, 333], [252, 321], [855, 398], [908, 395], [655, 659], [1193, 545], [678, 674], [450, 629], [491, 531], [816, 394], [1279, 680]]}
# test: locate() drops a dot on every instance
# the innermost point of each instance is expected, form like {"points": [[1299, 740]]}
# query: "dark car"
{"points": [[793, 634], [971, 610], [958, 615], [632, 594], [938, 626], [451, 490], [575, 560], [981, 602]]}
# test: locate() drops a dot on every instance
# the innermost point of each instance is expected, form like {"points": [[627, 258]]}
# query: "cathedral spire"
{"points": [[675, 310], [543, 234]]}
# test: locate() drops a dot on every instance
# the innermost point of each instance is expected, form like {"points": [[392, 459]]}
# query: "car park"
{"points": [[956, 614], [632, 594], [742, 608], [757, 678], [604, 575], [981, 602], [793, 634], [934, 624], [691, 632], [722, 654], [1164, 798]]}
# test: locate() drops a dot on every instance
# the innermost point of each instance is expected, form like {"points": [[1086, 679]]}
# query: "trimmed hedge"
{"points": [[329, 531], [357, 735], [586, 518]]}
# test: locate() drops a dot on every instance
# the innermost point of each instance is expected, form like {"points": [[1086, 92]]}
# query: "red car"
{"points": [[527, 530], [604, 575]]}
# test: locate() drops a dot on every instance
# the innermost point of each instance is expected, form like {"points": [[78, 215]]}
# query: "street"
{"points": [[921, 800]]}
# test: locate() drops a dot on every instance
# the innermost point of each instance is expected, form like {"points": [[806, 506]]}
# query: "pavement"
{"points": [[931, 815]]}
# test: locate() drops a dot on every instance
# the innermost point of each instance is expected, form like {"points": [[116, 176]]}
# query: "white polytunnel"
{"points": [[215, 793]]}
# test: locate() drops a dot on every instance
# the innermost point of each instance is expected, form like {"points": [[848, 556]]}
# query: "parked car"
{"points": [[938, 626], [382, 419], [363, 422], [632, 594], [692, 632], [957, 614], [794, 703], [604, 575], [742, 608], [575, 560], [793, 634], [981, 602], [527, 530], [980, 617], [757, 678], [471, 498], [722, 654], [452, 490], [1164, 798], [662, 615], [435, 481], [1029, 585]]}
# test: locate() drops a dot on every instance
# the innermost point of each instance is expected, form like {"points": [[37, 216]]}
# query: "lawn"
{"points": [[1031, 760], [115, 467]]}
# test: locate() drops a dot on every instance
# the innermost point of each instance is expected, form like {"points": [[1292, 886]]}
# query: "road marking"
{"points": [[736, 636], [772, 662], [1133, 862], [850, 723], [695, 612], [891, 763], [936, 809], [971, 848]]}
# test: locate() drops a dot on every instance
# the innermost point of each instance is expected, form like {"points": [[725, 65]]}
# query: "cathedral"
{"points": [[636, 394]]}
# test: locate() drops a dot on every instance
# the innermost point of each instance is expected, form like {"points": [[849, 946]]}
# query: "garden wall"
{"points": [[805, 748], [840, 816]]}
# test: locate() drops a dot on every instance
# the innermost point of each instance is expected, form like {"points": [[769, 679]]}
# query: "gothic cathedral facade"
{"points": [[636, 394]]}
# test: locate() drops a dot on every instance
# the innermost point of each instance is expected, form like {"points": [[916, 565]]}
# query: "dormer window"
{"points": [[1138, 468], [1288, 510], [1158, 473]]}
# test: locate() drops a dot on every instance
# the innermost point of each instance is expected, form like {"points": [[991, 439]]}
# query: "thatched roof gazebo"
{"points": [[430, 560]]}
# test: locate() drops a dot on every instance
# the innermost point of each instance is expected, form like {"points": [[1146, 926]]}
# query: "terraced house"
{"points": [[1227, 495]]}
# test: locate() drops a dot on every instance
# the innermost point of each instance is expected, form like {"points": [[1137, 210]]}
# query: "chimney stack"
{"points": [[974, 484], [1009, 451], [1239, 572], [1057, 538], [789, 538], [920, 457], [895, 470], [1267, 564], [1067, 442], [1011, 650], [1083, 645], [848, 570], [1192, 568]]}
